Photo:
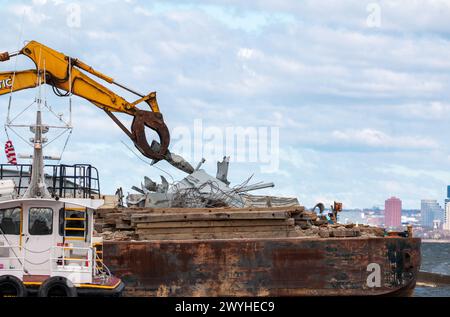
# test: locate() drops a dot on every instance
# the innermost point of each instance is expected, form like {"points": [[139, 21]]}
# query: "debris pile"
{"points": [[205, 207], [222, 223], [118, 235], [195, 223], [201, 190]]}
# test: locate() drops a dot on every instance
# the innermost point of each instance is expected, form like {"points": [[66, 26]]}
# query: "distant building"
{"points": [[393, 213], [447, 218], [352, 216], [436, 224], [446, 225], [376, 220], [431, 211]]}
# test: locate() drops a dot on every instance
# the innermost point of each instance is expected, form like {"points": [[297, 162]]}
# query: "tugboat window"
{"points": [[10, 221], [40, 221]]}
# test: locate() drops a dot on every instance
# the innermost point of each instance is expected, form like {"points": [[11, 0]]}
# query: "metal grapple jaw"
{"points": [[154, 121], [146, 119]]}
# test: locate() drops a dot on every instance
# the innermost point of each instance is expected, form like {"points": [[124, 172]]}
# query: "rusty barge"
{"points": [[270, 257], [268, 250], [202, 238], [265, 267]]}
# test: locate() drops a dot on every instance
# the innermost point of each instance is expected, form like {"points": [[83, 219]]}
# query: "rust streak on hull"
{"points": [[264, 267]]}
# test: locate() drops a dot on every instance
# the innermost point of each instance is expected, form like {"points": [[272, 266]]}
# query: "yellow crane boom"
{"points": [[66, 75]]}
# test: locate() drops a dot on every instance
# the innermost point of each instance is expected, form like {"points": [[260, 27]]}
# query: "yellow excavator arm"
{"points": [[66, 75]]}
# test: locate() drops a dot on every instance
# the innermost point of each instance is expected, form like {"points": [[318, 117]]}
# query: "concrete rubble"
{"points": [[201, 190]]}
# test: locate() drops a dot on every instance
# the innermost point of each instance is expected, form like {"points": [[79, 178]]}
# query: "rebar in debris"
{"points": [[208, 195]]}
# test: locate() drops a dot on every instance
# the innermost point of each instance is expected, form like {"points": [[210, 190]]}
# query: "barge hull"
{"points": [[266, 267]]}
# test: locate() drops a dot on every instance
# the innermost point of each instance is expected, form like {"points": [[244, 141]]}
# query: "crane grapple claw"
{"points": [[154, 121], [4, 57]]}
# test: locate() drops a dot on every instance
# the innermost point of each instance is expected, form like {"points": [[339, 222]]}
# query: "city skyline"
{"points": [[381, 206], [445, 199]]}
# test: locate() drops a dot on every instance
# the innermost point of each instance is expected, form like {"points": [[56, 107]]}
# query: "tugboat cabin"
{"points": [[48, 248]]}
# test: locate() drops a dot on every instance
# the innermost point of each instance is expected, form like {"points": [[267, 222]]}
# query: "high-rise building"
{"points": [[430, 210], [446, 225], [447, 217], [393, 213]]}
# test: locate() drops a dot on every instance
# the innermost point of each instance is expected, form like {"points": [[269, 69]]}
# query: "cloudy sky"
{"points": [[358, 89]]}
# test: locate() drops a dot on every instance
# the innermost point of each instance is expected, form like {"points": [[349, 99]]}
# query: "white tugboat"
{"points": [[47, 244]]}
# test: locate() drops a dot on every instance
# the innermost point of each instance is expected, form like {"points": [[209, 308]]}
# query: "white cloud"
{"points": [[30, 13], [409, 173], [375, 138], [245, 53], [434, 110]]}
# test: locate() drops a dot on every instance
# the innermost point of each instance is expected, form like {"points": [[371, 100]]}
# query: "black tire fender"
{"points": [[62, 283], [13, 282]]}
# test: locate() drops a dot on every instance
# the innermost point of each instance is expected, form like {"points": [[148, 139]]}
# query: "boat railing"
{"points": [[101, 269], [67, 181], [71, 259]]}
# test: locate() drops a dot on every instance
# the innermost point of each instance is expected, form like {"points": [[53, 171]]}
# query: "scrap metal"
{"points": [[197, 190]]}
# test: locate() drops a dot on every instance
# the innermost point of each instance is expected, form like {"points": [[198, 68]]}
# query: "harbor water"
{"points": [[435, 259]]}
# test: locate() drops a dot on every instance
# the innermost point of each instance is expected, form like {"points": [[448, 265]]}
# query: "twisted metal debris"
{"points": [[201, 190]]}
